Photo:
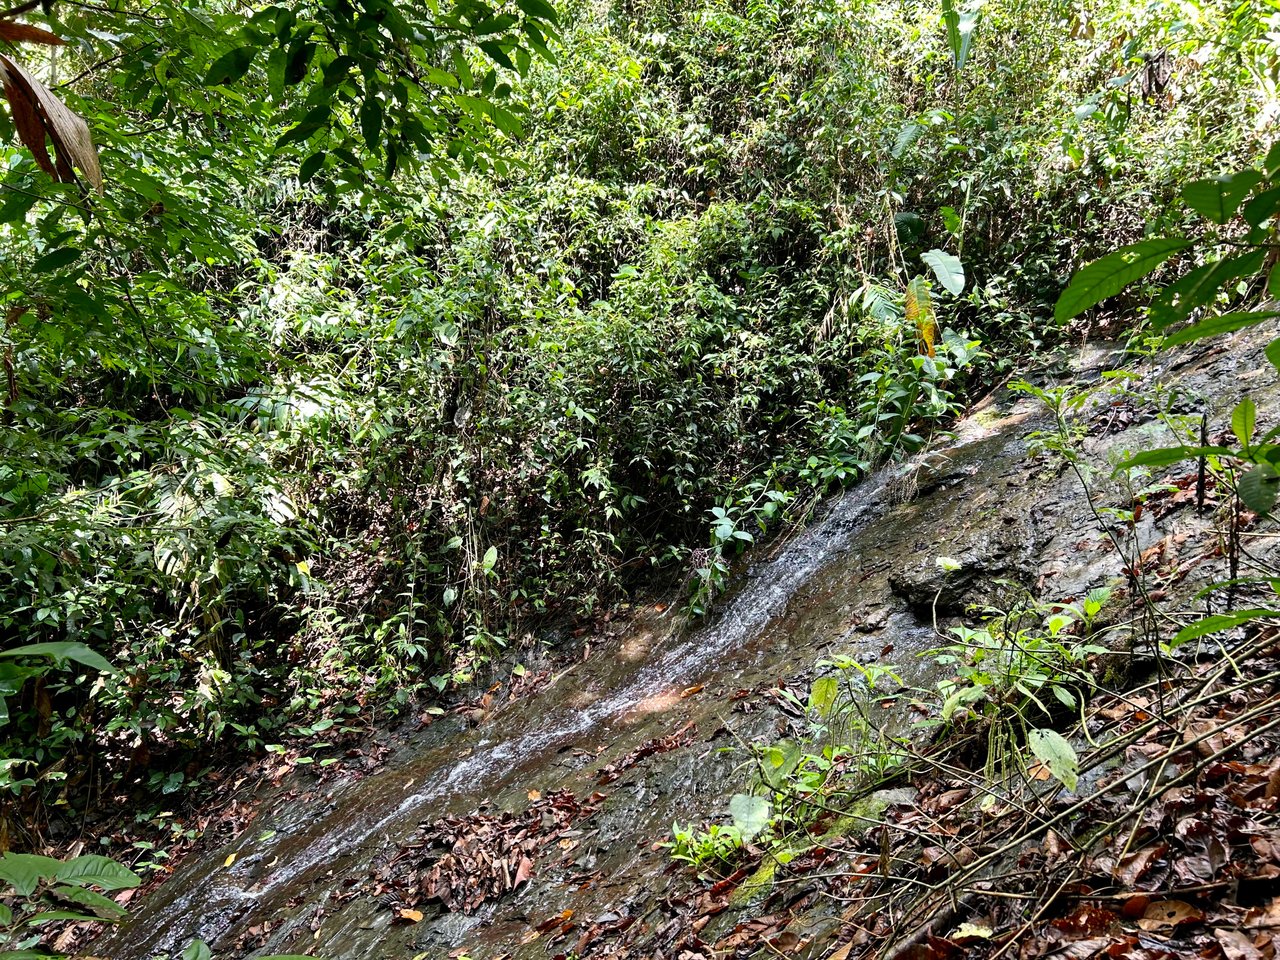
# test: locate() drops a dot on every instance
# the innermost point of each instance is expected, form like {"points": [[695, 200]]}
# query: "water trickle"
{"points": [[215, 904]]}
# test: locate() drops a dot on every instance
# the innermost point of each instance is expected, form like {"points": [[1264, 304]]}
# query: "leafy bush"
{"points": [[44, 890]]}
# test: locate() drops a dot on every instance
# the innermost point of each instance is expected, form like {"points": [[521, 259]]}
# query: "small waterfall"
{"points": [[214, 903]]}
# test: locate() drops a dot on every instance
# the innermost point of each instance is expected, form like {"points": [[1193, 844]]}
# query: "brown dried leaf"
{"points": [[1263, 917], [524, 872], [1087, 921], [784, 942], [37, 113], [1079, 949], [1135, 866], [1169, 913], [1267, 848], [15, 32], [1236, 946]]}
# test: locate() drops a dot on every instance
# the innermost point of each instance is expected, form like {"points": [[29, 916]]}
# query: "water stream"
{"points": [[292, 848]]}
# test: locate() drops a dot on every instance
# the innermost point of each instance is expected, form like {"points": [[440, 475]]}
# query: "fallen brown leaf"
{"points": [[1169, 913], [1236, 946]]}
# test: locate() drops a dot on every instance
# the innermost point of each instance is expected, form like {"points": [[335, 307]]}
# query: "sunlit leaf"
{"points": [[1109, 275], [1219, 622], [1163, 456], [98, 871], [750, 814], [822, 695], [1218, 198], [62, 650], [1055, 752], [947, 268], [1244, 418]]}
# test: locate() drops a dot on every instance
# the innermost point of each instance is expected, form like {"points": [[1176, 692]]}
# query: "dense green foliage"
{"points": [[346, 382]]}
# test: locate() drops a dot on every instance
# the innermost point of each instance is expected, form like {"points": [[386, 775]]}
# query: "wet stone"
{"points": [[987, 556]]}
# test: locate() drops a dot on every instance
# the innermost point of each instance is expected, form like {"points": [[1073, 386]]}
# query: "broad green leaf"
{"points": [[6, 915], [103, 906], [276, 64], [1273, 353], [490, 559], [1244, 419], [539, 9], [1219, 622], [1262, 207], [1219, 198], [462, 68], [494, 25], [442, 78], [371, 121], [961, 698], [967, 24], [822, 695], [906, 137], [1052, 749], [197, 950], [1163, 456], [947, 268], [16, 204], [1108, 276], [496, 53], [316, 118], [506, 121], [47, 916], [55, 259], [231, 66], [311, 166], [1257, 488], [951, 20], [300, 54], [1216, 326], [750, 814], [98, 871], [63, 650], [960, 25], [1271, 166], [24, 871], [777, 761], [1201, 287]]}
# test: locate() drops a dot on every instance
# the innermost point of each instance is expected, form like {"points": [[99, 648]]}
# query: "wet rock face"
{"points": [[864, 582], [991, 563], [986, 527]]}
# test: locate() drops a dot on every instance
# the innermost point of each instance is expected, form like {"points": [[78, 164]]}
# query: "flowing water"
{"points": [[286, 859]]}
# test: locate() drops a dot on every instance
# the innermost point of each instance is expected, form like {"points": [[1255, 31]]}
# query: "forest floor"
{"points": [[1170, 847]]}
